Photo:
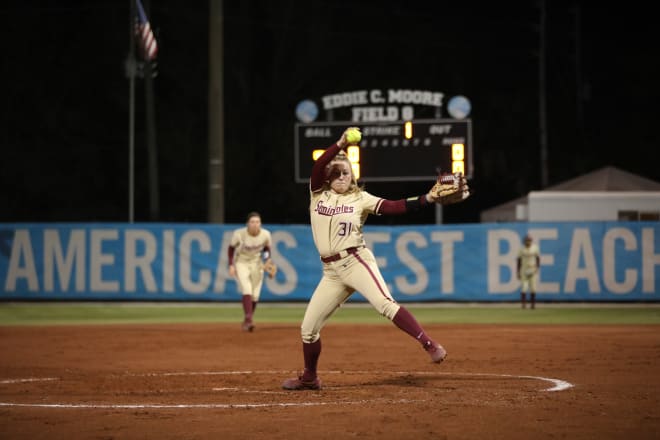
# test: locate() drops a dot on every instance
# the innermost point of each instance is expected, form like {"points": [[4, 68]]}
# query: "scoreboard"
{"points": [[393, 151]]}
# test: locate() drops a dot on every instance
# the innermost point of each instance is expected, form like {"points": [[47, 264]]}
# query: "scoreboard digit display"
{"points": [[392, 151]]}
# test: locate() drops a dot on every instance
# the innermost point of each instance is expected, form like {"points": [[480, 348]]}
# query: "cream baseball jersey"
{"points": [[337, 219], [248, 248], [527, 257]]}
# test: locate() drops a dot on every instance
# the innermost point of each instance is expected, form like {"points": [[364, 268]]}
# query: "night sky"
{"points": [[64, 131]]}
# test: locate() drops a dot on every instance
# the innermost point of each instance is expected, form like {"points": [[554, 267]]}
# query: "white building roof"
{"points": [[606, 179]]}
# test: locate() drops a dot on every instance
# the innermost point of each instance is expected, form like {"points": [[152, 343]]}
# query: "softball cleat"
{"points": [[300, 384], [436, 351]]}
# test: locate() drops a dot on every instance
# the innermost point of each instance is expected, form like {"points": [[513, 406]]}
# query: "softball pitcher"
{"points": [[529, 260], [338, 210], [248, 250]]}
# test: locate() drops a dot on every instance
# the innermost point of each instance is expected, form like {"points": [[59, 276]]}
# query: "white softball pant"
{"points": [[354, 273]]}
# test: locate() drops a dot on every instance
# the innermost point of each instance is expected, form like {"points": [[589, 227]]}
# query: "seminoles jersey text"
{"points": [[333, 210]]}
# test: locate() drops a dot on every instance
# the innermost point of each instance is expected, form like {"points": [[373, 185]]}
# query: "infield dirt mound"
{"points": [[214, 381]]}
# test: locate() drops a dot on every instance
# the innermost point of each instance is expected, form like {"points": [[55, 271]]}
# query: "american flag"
{"points": [[146, 39]]}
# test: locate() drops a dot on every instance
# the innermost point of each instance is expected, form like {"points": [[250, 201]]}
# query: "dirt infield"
{"points": [[211, 381]]}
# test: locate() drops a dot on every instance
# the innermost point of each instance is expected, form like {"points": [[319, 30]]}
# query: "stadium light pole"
{"points": [[216, 129], [543, 123]]}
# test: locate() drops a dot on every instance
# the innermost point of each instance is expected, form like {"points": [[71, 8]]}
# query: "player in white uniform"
{"points": [[529, 260], [248, 250], [338, 210]]}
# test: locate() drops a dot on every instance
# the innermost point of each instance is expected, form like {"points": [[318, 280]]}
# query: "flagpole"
{"points": [[131, 68], [150, 120]]}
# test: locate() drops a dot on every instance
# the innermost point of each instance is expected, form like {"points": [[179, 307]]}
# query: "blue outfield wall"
{"points": [[594, 261]]}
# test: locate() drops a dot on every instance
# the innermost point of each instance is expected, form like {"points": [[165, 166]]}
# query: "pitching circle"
{"points": [[556, 385]]}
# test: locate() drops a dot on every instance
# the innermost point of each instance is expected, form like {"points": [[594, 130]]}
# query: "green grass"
{"points": [[123, 313]]}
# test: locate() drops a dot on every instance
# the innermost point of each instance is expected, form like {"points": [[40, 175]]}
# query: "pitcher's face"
{"points": [[342, 182]]}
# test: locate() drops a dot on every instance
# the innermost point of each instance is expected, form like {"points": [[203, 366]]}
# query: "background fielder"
{"points": [[529, 261], [248, 250]]}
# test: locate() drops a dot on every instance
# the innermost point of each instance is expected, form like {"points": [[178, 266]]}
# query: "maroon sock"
{"points": [[311, 353], [247, 307], [254, 306], [407, 322]]}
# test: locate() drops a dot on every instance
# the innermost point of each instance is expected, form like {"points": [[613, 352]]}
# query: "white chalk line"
{"points": [[28, 379], [558, 385], [203, 405]]}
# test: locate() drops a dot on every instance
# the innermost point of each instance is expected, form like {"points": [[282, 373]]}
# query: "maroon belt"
{"points": [[342, 254]]}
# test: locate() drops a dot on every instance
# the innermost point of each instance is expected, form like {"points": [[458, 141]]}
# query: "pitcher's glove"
{"points": [[270, 268], [450, 188]]}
